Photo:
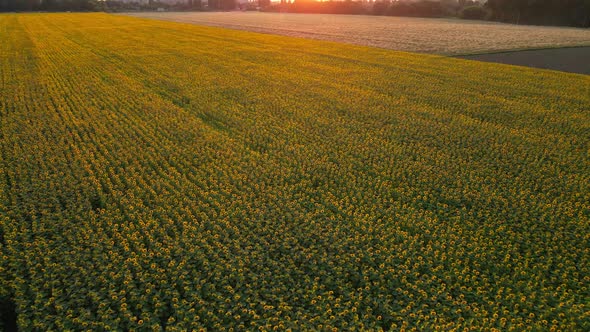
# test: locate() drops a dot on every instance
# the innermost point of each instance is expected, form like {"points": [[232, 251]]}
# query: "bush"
{"points": [[380, 7], [417, 9], [474, 13], [328, 7]]}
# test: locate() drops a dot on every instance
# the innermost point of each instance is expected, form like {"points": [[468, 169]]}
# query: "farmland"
{"points": [[439, 36], [158, 175], [568, 59]]}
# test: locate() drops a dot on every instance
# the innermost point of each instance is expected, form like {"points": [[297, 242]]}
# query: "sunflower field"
{"points": [[157, 176]]}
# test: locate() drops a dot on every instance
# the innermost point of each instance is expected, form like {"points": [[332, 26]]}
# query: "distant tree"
{"points": [[222, 4], [553, 12], [424, 8], [380, 7], [194, 4], [585, 10], [49, 5], [474, 13], [19, 5]]}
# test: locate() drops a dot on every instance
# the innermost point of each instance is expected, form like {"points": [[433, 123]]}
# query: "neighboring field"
{"points": [[440, 36], [569, 59], [162, 175]]}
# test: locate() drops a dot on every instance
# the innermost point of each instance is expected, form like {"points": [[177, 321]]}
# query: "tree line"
{"points": [[540, 12], [47, 5], [543, 12]]}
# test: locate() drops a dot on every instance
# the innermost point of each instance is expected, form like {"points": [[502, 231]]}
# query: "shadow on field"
{"points": [[570, 59], [7, 315]]}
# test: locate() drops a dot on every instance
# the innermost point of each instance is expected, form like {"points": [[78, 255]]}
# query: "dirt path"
{"points": [[572, 59]]}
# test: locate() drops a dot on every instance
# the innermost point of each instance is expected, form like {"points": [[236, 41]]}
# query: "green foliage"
{"points": [[222, 4], [160, 175], [380, 7], [547, 12], [48, 5], [474, 13]]}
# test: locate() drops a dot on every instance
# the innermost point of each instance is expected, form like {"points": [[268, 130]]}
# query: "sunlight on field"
{"points": [[440, 36], [157, 175]]}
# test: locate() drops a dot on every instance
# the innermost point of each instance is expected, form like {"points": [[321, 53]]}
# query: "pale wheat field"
{"points": [[439, 36]]}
